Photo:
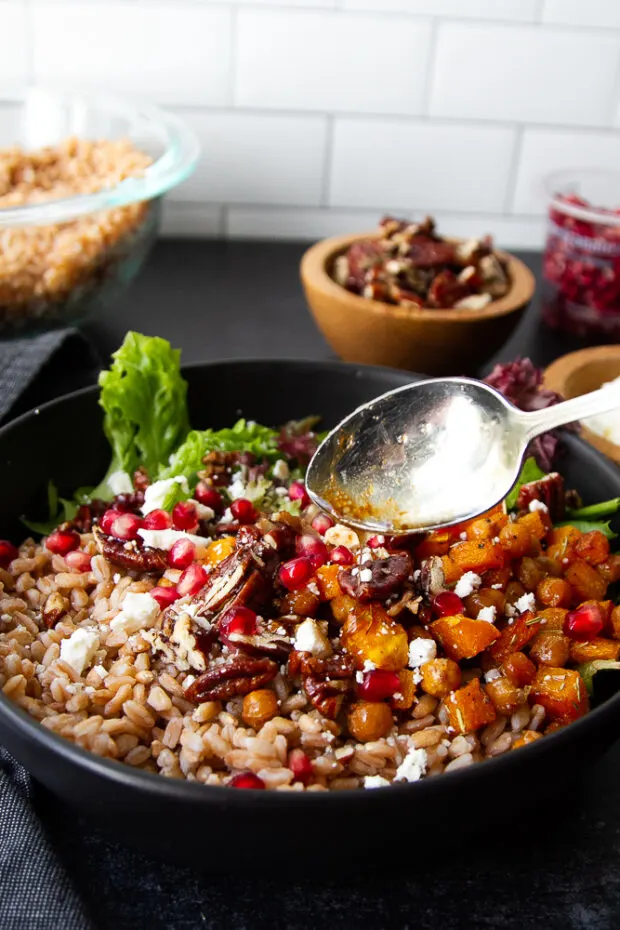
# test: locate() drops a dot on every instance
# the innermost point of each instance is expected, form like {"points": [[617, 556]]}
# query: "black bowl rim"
{"points": [[177, 790]]}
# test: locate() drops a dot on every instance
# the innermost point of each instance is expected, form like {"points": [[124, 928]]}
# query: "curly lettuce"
{"points": [[244, 436]]}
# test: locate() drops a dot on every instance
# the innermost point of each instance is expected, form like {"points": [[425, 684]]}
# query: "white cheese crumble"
{"points": [[281, 470], [116, 577], [413, 766], [359, 677], [467, 584], [340, 535], [375, 781], [369, 666], [421, 650], [526, 602], [156, 493], [492, 674], [309, 637], [463, 535], [119, 482], [138, 612], [365, 574], [487, 614], [237, 488], [79, 649], [537, 505], [204, 512], [165, 539]]}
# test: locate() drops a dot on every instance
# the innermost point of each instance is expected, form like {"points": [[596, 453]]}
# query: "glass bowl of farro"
{"points": [[189, 650], [81, 182]]}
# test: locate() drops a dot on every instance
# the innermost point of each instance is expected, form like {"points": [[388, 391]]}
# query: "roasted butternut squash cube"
{"points": [[515, 636], [370, 635], [526, 739], [462, 637], [469, 708], [405, 696], [609, 570], [452, 572], [597, 648], [586, 582], [435, 543], [219, 549], [302, 602], [592, 547], [486, 526], [552, 618], [477, 555], [327, 581], [518, 669], [561, 692], [537, 523], [342, 606], [506, 697]]}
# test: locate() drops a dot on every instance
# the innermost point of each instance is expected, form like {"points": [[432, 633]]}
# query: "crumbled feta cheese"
{"points": [[375, 781], [492, 674], [526, 602], [281, 470], [359, 677], [413, 766], [237, 488], [138, 612], [309, 637], [497, 587], [116, 577], [366, 574], [467, 584], [119, 482], [537, 505], [487, 614], [204, 512], [369, 666], [156, 493], [79, 649], [416, 676], [340, 535], [463, 535], [227, 516], [421, 650], [165, 539]]}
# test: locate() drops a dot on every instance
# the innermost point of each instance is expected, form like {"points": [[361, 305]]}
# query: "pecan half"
{"points": [[338, 666], [549, 491], [54, 608], [271, 640], [130, 555], [387, 576], [326, 696], [432, 578], [239, 675]]}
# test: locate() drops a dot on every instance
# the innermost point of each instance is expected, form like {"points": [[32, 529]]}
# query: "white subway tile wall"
{"points": [[316, 116]]}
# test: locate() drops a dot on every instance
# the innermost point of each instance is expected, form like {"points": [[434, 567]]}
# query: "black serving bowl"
{"points": [[224, 828]]}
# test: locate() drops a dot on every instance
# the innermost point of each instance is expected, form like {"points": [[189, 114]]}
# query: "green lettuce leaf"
{"points": [[244, 436], [603, 509], [144, 397], [529, 472]]}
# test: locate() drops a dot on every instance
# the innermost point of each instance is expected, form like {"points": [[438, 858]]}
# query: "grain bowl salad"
{"points": [[196, 616]]}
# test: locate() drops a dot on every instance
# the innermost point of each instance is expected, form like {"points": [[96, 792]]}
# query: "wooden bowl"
{"points": [[437, 342], [584, 371]]}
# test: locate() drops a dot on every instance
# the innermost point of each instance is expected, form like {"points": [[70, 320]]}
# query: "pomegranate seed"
{"points": [[378, 685], [164, 596], [297, 492], [185, 516], [78, 561], [313, 548], [182, 554], [8, 552], [192, 580], [238, 620], [341, 556], [157, 520], [244, 510], [107, 519], [209, 497], [126, 526], [447, 604], [300, 765], [322, 523], [246, 780], [62, 541], [584, 623], [296, 572], [375, 542]]}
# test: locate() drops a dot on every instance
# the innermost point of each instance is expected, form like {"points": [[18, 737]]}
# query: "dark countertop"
{"points": [[560, 869]]}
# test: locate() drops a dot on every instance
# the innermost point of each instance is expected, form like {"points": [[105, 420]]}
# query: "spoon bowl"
{"points": [[431, 454]]}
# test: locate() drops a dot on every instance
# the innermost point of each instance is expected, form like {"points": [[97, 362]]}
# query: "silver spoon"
{"points": [[432, 453]]}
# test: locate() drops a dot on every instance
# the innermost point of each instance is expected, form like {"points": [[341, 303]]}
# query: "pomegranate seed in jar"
{"points": [[192, 580], [378, 685], [447, 604], [313, 548], [182, 554], [107, 519], [78, 561], [341, 556], [300, 765], [126, 526], [62, 541], [322, 523], [585, 622], [297, 492], [8, 552], [244, 510], [157, 520], [375, 542], [239, 620], [164, 596], [296, 572], [246, 780], [185, 516], [209, 497]]}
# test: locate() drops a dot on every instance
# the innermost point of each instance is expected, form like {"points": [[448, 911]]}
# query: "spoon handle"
{"points": [[601, 401]]}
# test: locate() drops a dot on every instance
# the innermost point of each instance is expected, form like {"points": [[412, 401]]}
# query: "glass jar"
{"points": [[581, 266]]}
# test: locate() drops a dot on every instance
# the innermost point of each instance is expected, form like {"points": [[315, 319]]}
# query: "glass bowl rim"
{"points": [[553, 181], [177, 162]]}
